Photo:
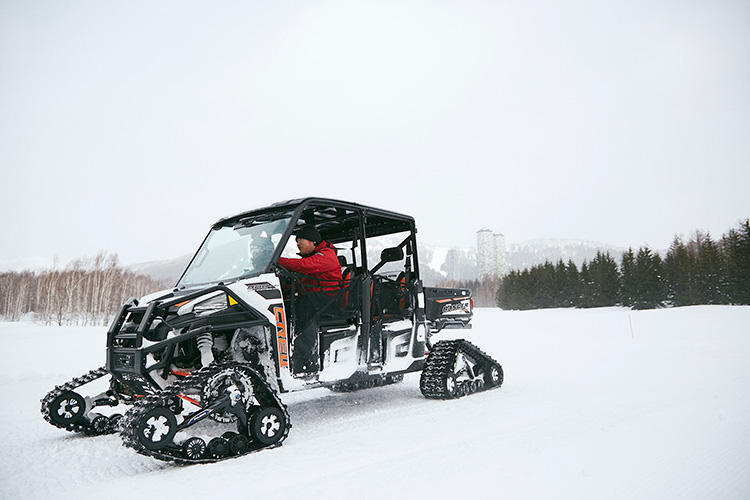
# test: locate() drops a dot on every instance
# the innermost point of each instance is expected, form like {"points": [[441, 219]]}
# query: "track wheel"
{"points": [[194, 448], [157, 428], [67, 408], [218, 447], [101, 425], [494, 376], [464, 389], [268, 425], [114, 421], [239, 444], [451, 386]]}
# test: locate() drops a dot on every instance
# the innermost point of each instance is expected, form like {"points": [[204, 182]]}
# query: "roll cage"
{"points": [[337, 221], [363, 295]]}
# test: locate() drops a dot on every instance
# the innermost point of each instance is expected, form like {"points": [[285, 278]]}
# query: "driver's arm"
{"points": [[315, 264]]}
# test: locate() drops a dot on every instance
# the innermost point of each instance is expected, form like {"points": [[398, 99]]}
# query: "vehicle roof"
{"points": [[293, 204]]}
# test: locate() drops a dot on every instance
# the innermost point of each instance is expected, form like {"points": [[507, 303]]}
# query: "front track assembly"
{"points": [[184, 422], [456, 368], [66, 408]]}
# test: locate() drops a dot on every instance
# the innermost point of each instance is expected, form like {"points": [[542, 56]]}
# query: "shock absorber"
{"points": [[205, 343]]}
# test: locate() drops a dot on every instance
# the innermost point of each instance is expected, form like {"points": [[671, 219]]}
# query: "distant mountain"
{"points": [[26, 264], [438, 264], [533, 252], [168, 270], [451, 263]]}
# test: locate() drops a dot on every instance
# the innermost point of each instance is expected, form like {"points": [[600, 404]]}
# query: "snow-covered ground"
{"points": [[601, 403]]}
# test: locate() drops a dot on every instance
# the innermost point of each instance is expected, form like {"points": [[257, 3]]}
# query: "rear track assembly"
{"points": [[455, 368]]}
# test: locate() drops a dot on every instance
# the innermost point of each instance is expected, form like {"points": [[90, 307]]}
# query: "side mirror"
{"points": [[392, 254]]}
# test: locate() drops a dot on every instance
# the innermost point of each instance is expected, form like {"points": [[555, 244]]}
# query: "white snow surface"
{"points": [[599, 403]]}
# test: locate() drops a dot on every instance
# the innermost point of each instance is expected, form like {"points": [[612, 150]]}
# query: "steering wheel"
{"points": [[293, 277]]}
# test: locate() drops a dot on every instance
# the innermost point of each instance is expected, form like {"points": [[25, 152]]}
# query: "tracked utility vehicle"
{"points": [[193, 374]]}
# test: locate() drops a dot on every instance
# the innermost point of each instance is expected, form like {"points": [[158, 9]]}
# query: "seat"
{"points": [[345, 310], [346, 283], [393, 297]]}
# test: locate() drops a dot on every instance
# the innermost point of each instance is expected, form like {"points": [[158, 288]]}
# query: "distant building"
{"points": [[492, 259], [501, 255], [485, 252]]}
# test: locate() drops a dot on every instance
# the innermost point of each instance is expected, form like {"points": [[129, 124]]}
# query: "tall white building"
{"points": [[501, 255], [491, 254]]}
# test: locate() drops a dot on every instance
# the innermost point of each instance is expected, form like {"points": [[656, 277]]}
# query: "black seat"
{"points": [[344, 310]]}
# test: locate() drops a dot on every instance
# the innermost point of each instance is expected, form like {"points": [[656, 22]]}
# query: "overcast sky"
{"points": [[132, 126]]}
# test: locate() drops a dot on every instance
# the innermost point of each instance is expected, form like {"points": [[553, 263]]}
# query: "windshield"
{"points": [[232, 252]]}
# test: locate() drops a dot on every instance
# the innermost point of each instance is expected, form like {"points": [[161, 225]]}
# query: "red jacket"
{"points": [[323, 265]]}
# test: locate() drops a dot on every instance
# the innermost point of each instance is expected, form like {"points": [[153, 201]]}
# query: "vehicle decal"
{"points": [[269, 294], [441, 301], [455, 307], [281, 335], [199, 416], [260, 286]]}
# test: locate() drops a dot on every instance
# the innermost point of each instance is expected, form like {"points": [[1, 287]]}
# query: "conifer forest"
{"points": [[699, 271]]}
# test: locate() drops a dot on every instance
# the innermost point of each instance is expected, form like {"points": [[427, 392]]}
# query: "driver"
{"points": [[319, 262]]}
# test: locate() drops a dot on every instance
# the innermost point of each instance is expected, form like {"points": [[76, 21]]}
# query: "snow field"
{"points": [[600, 403]]}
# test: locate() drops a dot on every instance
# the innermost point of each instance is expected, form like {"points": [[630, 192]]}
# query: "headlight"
{"points": [[212, 305]]}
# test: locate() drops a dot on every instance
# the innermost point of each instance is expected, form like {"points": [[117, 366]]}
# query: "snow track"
{"points": [[588, 409]]}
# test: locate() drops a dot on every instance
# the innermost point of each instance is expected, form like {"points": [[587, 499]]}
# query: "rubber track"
{"points": [[82, 427], [440, 363], [128, 430]]}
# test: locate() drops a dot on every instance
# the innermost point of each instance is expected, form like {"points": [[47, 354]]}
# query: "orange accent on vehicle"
{"points": [[346, 279], [179, 373], [440, 301], [140, 395], [191, 400], [281, 336], [402, 292], [179, 304]]}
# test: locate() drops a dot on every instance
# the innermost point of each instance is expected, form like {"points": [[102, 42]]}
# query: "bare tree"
{"points": [[86, 291]]}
